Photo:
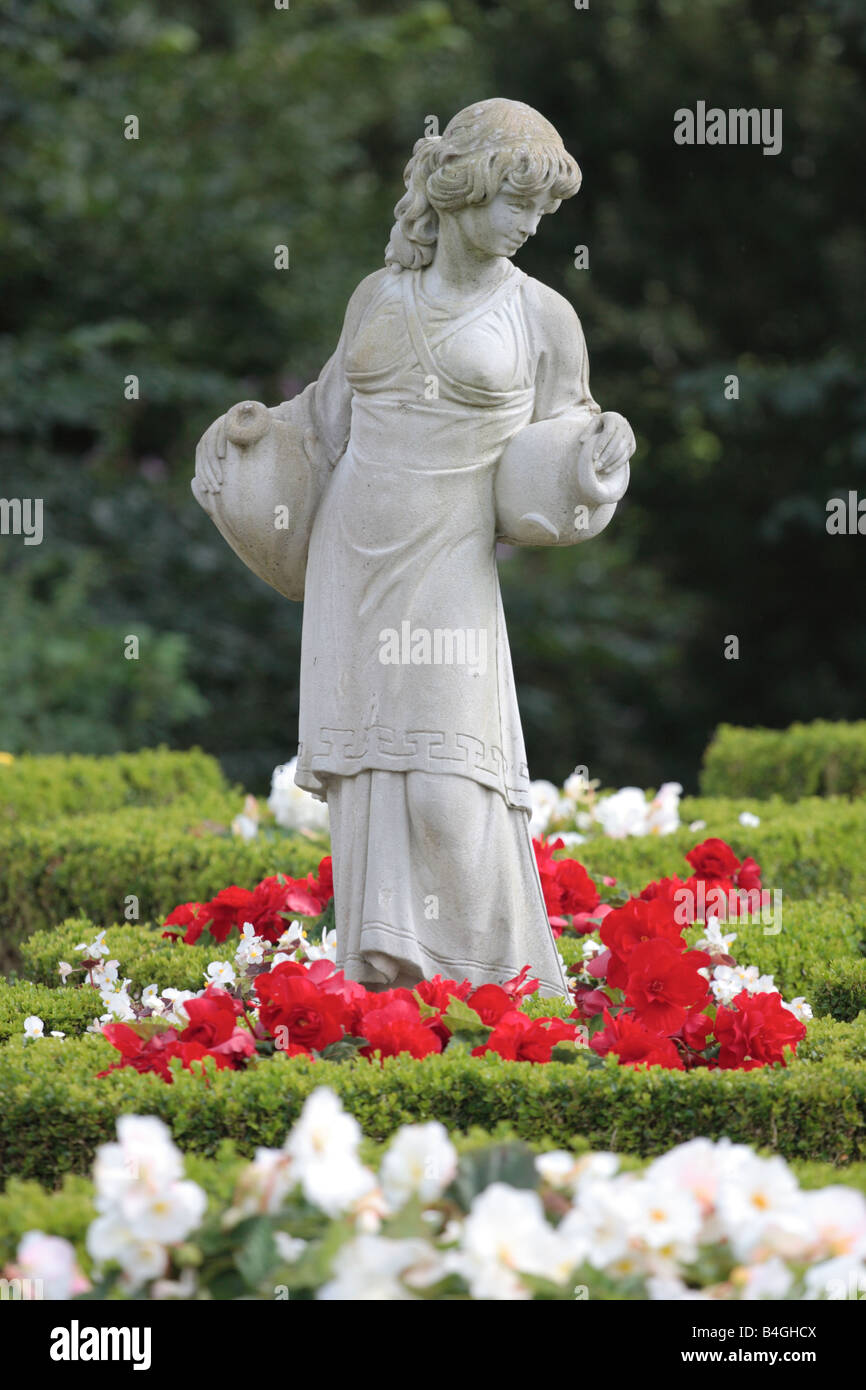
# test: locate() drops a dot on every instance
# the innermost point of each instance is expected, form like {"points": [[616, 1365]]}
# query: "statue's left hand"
{"points": [[614, 443]]}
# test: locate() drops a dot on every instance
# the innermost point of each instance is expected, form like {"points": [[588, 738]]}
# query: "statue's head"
{"points": [[495, 152]]}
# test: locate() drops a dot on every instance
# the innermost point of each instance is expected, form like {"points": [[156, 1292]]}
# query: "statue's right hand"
{"points": [[209, 455]]}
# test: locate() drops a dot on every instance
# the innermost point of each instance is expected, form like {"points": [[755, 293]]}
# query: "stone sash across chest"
{"points": [[428, 343]]}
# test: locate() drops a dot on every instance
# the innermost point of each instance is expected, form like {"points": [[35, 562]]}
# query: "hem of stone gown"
{"points": [[404, 841]]}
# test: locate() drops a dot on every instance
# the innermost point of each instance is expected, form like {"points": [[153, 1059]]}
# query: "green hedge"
{"points": [[840, 989], [47, 1088], [145, 956], [38, 789], [810, 849], [68, 1010], [88, 865], [817, 759]]}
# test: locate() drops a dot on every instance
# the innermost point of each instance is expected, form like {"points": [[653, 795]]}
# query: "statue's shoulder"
{"points": [[554, 328], [380, 283], [547, 309]]}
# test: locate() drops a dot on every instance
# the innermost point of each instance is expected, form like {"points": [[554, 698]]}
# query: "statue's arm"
{"points": [[323, 410], [560, 478], [561, 358], [329, 397]]}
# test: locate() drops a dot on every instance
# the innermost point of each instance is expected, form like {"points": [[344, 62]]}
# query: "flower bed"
{"points": [[311, 1220], [676, 1031]]}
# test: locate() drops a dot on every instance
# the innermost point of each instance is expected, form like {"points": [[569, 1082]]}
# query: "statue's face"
{"points": [[500, 227]]}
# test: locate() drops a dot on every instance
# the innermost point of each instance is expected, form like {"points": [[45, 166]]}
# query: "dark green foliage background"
{"points": [[262, 126]]}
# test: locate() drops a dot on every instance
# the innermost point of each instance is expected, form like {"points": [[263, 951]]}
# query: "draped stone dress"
{"points": [[414, 739]]}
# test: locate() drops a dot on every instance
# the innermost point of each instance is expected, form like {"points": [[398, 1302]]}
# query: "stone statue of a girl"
{"points": [[455, 411]]}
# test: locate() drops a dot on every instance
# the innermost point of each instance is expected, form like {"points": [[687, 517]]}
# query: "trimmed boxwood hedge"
{"points": [[817, 759], [39, 789], [145, 956], [88, 865], [810, 849], [840, 988], [53, 1114]]}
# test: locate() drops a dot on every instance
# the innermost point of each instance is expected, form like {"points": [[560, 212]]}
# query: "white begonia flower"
{"points": [[220, 972], [591, 948], [56, 1034], [698, 825], [370, 1210], [725, 984], [544, 800], [110, 1241], [625, 813], [327, 950], [583, 820], [117, 1003], [64, 970], [506, 1234], [589, 1167], [280, 957], [263, 1185], [663, 815], [799, 1008], [767, 1279], [372, 1267], [52, 1261], [420, 1161], [294, 808], [667, 1218], [34, 1027], [105, 973], [292, 936], [749, 818], [245, 827], [760, 1205], [151, 998], [251, 948], [324, 1146], [558, 1168], [337, 1185], [699, 1167], [143, 1199], [577, 787], [166, 1215], [602, 1219], [837, 1219], [176, 1013], [714, 939], [144, 1152], [97, 947]]}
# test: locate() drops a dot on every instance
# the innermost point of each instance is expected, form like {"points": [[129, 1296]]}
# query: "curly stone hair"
{"points": [[481, 147]]}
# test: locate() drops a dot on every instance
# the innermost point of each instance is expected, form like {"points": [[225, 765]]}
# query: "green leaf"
{"points": [[513, 1164], [569, 1051], [465, 1024], [257, 1255], [344, 1048]]}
